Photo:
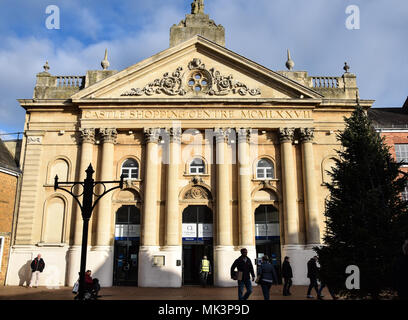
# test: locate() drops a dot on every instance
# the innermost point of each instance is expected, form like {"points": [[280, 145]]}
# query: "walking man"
{"points": [[205, 270], [312, 274], [245, 270], [287, 275], [37, 266]]}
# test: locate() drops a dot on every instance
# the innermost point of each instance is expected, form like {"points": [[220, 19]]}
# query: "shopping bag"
{"points": [[76, 287]]}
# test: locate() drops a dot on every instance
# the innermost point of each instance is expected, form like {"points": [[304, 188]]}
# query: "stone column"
{"points": [[291, 219], [101, 255], [309, 183], [224, 253], [87, 140], [246, 217], [224, 222], [172, 201], [150, 228], [104, 218]]}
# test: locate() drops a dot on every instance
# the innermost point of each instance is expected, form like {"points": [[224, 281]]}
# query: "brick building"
{"points": [[9, 178], [392, 123]]}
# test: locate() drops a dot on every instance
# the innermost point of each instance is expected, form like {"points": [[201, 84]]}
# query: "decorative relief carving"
{"points": [[197, 193], [170, 85], [34, 140], [87, 135], [200, 80], [286, 134], [108, 135], [306, 134]]}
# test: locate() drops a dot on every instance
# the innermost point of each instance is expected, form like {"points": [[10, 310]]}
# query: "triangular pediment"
{"points": [[197, 68]]}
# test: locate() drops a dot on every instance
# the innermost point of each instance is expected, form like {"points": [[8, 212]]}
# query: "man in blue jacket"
{"points": [[245, 270]]}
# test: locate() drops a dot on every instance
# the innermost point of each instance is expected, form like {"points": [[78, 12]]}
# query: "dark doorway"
{"points": [[267, 236], [197, 242], [126, 249]]}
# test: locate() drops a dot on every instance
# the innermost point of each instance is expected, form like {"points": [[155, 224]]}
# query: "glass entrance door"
{"points": [[126, 249], [197, 242], [267, 236]]}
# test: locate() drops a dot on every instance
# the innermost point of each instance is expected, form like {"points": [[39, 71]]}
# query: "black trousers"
{"points": [[287, 283], [313, 284]]}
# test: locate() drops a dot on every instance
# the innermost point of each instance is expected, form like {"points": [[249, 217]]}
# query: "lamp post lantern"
{"points": [[86, 207]]}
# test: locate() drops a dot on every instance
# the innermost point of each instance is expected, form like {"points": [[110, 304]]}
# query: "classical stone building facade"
{"points": [[219, 153]]}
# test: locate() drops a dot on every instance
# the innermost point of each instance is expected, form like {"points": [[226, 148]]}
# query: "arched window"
{"points": [[264, 169], [130, 169], [197, 166]]}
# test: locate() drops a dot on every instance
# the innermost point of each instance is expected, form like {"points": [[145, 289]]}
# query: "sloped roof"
{"points": [[389, 117], [6, 159]]}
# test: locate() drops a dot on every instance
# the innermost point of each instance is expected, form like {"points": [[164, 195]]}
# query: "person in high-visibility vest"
{"points": [[205, 270]]}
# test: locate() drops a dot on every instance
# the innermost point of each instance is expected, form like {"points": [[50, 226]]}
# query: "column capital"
{"points": [[244, 134], [151, 134], [108, 135], [87, 135], [306, 134], [286, 134], [222, 134], [174, 134]]}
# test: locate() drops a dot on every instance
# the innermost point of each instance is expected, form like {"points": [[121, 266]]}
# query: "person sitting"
{"points": [[91, 285]]}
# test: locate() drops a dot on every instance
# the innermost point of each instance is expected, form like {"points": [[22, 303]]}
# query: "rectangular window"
{"points": [[404, 194], [401, 151], [1, 250]]}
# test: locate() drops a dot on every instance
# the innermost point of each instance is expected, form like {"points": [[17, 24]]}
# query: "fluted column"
{"points": [[223, 200], [291, 219], [246, 220], [172, 205], [309, 183], [150, 230], [87, 139], [104, 217]]}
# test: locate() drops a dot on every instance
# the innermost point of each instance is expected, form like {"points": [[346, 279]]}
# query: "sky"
{"points": [[320, 34]]}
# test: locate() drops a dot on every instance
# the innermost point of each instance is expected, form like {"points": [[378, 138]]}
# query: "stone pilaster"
{"points": [[309, 183], [150, 229], [291, 218], [172, 207], [246, 217], [104, 217], [30, 187]]}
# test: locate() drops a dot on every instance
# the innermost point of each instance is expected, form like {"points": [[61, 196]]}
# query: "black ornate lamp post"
{"points": [[87, 207]]}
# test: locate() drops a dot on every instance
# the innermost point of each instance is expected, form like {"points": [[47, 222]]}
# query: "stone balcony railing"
{"points": [[63, 87], [343, 87]]}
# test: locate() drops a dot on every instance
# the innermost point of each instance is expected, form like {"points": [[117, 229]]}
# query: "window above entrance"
{"points": [[265, 169], [197, 166], [130, 169]]}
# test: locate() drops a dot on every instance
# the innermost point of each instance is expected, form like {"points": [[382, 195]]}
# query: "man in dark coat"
{"points": [[37, 266], [287, 275], [312, 274], [245, 270]]}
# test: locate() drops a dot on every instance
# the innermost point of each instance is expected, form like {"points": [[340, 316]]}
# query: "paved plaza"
{"points": [[135, 293]]}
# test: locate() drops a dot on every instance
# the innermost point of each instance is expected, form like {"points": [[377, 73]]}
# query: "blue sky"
{"points": [[261, 30]]}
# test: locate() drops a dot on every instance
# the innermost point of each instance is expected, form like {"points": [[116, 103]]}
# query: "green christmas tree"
{"points": [[366, 218]]}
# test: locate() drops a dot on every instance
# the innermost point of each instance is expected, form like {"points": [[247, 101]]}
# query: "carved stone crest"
{"points": [[168, 84], [199, 80]]}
